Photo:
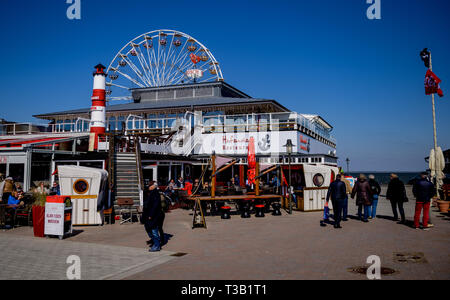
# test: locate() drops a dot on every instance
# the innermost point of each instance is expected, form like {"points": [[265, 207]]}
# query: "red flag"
{"points": [[432, 84]]}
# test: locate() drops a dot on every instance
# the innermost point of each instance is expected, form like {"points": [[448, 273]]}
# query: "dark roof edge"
{"points": [[86, 110], [215, 83]]}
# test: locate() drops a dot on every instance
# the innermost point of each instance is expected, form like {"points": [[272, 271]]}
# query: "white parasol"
{"points": [[437, 165]]}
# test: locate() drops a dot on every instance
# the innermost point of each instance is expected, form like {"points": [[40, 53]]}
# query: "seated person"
{"points": [[180, 183], [187, 187], [15, 200], [170, 191], [231, 183], [205, 191], [55, 189], [236, 180], [196, 186]]}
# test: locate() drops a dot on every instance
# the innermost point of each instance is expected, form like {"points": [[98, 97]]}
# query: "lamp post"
{"points": [[347, 160], [289, 146]]}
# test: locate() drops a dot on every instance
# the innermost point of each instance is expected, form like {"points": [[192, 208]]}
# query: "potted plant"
{"points": [[443, 205], [39, 214]]}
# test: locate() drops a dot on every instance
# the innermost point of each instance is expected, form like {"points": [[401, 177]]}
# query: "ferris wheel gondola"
{"points": [[160, 58]]}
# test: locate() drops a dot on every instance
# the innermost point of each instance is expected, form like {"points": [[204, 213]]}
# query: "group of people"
{"points": [[13, 195], [366, 194], [173, 188]]}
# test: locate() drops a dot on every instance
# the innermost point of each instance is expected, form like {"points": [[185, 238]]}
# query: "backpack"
{"points": [[373, 187]]}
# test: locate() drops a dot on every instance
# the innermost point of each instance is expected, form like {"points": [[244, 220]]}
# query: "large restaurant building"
{"points": [[164, 132]]}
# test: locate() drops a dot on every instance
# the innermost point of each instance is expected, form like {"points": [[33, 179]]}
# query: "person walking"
{"points": [[337, 192], [396, 194], [152, 214], [348, 189], [376, 190], [363, 196], [423, 191]]}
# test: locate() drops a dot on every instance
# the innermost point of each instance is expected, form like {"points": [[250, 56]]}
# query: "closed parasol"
{"points": [[437, 165], [251, 157]]}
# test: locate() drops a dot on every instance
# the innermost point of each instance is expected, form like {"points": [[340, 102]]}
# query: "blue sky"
{"points": [[363, 76]]}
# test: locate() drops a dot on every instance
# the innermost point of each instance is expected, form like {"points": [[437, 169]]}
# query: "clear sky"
{"points": [[325, 57]]}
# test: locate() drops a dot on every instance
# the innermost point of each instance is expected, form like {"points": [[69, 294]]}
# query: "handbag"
{"points": [[326, 211]]}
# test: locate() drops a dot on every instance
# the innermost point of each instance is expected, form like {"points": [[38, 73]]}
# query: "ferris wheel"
{"points": [[160, 58]]}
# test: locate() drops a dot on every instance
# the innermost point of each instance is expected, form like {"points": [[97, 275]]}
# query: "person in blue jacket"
{"points": [[14, 200]]}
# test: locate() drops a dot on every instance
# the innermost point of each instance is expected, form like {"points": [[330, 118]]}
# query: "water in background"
{"points": [[383, 177]]}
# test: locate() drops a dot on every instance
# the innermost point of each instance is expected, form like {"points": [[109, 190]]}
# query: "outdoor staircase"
{"points": [[126, 178]]}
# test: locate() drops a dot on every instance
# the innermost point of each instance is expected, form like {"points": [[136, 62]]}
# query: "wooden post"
{"points": [[257, 180], [203, 181], [213, 181], [241, 176]]}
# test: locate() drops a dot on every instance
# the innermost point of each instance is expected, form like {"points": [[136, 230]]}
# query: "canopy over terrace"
{"points": [[21, 156]]}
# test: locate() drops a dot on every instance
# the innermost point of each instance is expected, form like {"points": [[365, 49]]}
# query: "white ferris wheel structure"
{"points": [[160, 58]]}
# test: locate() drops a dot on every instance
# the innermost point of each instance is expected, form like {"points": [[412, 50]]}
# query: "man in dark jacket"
{"points": [[396, 193], [363, 195], [152, 214], [337, 192], [423, 190]]}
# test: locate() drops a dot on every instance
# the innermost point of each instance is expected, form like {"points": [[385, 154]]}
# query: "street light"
{"points": [[289, 146], [347, 160]]}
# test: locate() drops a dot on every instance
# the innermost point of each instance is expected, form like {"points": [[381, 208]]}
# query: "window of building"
{"points": [[16, 171], [81, 186], [318, 180]]}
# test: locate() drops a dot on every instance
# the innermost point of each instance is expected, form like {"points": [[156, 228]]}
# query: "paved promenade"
{"points": [[287, 247]]}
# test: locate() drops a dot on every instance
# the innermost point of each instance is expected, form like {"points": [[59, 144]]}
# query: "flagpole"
{"points": [[434, 135]]}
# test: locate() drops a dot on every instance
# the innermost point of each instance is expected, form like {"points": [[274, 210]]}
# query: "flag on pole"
{"points": [[425, 56], [432, 84]]}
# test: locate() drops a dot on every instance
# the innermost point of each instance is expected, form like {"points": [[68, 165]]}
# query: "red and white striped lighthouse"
{"points": [[98, 108]]}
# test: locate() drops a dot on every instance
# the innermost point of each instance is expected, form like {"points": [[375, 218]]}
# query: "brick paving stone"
{"points": [[45, 258]]}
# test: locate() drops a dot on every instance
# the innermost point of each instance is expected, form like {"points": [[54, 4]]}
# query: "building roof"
{"points": [[164, 105]]}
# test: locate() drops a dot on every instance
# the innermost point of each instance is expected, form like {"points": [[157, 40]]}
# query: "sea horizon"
{"points": [[384, 177]]}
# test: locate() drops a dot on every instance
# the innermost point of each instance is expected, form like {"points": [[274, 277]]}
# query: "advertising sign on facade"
{"points": [[266, 143]]}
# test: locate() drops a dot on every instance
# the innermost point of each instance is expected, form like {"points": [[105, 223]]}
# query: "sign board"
{"points": [[54, 219], [266, 142], [194, 73]]}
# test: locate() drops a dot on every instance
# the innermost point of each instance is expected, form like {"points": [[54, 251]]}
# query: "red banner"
{"points": [[432, 84]]}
